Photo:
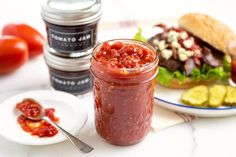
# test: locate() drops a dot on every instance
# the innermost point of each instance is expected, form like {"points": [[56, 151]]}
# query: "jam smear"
{"points": [[39, 128]]}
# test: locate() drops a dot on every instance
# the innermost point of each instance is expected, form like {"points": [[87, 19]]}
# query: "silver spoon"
{"points": [[83, 147]]}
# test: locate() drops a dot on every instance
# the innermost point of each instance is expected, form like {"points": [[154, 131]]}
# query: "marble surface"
{"points": [[203, 137]]}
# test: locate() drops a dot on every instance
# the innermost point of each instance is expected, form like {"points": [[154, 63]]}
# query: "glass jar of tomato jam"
{"points": [[123, 84]]}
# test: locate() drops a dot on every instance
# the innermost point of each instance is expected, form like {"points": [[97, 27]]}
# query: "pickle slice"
{"points": [[216, 95], [196, 96], [230, 98]]}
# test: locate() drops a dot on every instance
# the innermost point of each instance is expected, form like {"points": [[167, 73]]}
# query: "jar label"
{"points": [[71, 41], [70, 84]]}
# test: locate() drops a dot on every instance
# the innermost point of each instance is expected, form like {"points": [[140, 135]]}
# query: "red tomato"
{"points": [[13, 53], [32, 37]]}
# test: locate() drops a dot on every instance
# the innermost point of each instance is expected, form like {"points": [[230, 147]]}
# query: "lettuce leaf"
{"points": [[180, 76], [227, 63], [207, 72], [139, 36], [164, 76], [196, 74]]}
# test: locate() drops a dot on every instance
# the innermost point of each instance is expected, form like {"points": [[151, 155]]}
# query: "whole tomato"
{"points": [[32, 37], [13, 53]]}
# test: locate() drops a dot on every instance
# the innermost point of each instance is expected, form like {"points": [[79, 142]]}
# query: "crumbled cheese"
{"points": [[175, 44], [155, 42], [188, 43], [183, 35], [182, 53], [181, 50], [167, 54], [189, 53], [172, 36], [162, 45], [183, 57]]}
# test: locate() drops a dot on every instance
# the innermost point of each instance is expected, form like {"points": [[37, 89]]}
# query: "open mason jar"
{"points": [[123, 93]]}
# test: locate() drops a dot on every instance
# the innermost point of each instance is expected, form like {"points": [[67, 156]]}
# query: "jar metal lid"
{"points": [[66, 64], [71, 12]]}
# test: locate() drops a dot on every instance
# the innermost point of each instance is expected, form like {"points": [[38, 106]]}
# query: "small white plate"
{"points": [[170, 99], [69, 109]]}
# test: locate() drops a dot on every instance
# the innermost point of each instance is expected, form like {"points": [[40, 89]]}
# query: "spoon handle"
{"points": [[83, 147]]}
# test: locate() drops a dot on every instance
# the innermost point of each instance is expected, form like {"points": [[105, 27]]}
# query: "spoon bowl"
{"points": [[40, 115]]}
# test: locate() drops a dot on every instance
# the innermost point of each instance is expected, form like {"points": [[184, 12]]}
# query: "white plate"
{"points": [[68, 108], [170, 99]]}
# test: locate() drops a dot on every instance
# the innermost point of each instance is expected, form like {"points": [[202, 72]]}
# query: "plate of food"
{"points": [[193, 53], [64, 109]]}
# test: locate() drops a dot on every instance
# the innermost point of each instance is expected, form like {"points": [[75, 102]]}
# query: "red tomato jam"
{"points": [[233, 70], [29, 107], [38, 128], [123, 74]]}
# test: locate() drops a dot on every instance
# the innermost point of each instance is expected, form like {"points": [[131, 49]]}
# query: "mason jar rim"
{"points": [[129, 41]]}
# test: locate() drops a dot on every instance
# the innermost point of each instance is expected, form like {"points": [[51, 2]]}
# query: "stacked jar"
{"points": [[71, 27]]}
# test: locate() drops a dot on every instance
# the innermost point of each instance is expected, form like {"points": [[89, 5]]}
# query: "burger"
{"points": [[195, 52]]}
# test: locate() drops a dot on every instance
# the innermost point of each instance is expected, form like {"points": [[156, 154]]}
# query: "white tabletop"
{"points": [[203, 137]]}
